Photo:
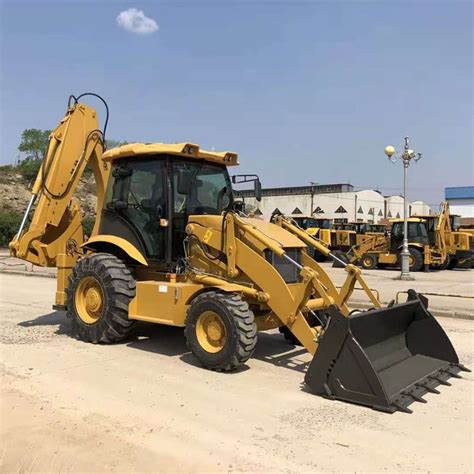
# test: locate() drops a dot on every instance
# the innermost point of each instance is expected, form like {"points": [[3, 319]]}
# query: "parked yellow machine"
{"points": [[171, 246], [443, 232], [445, 227], [381, 251], [319, 228]]}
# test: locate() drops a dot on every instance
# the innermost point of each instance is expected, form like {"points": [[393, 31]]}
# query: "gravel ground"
{"points": [[145, 405]]}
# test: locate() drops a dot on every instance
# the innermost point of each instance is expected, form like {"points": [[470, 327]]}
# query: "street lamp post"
{"points": [[406, 156], [313, 184]]}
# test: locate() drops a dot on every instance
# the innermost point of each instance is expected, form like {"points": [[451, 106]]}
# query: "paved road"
{"points": [[145, 405], [453, 282]]}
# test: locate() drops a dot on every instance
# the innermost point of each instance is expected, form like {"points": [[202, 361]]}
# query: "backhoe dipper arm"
{"points": [[54, 234]]}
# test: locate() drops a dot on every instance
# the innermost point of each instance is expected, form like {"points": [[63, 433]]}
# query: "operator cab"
{"points": [[154, 189], [455, 222], [417, 233], [312, 222]]}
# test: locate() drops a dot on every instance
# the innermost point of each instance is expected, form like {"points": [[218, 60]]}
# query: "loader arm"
{"points": [[53, 235], [315, 293], [353, 273], [373, 242]]}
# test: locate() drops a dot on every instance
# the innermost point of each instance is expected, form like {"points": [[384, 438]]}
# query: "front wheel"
{"points": [[368, 261], [220, 330], [98, 294]]}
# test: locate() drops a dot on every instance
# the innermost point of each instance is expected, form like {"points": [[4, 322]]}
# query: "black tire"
{"points": [[240, 330], [418, 262], [446, 264], [452, 264], [319, 257], [117, 286], [368, 261], [290, 337], [341, 256]]}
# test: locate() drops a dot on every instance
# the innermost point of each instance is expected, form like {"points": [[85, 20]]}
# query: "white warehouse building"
{"points": [[335, 201], [461, 202]]}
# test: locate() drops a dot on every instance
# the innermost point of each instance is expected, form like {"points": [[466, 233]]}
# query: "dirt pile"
{"points": [[15, 193]]}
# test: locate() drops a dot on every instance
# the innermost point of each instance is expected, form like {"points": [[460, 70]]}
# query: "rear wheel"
{"points": [[220, 330], [452, 264], [415, 259], [98, 294], [446, 264], [368, 261]]}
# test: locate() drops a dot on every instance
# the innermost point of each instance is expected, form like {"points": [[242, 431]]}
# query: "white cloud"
{"points": [[135, 21]]}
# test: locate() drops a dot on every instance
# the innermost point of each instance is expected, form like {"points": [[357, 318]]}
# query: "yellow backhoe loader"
{"points": [[380, 251], [443, 229], [319, 228], [171, 246]]}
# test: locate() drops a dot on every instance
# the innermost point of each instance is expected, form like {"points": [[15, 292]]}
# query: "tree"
{"points": [[34, 143], [114, 143]]}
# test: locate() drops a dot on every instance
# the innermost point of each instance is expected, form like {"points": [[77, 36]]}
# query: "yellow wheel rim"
{"points": [[210, 332], [367, 262], [89, 300], [411, 260]]}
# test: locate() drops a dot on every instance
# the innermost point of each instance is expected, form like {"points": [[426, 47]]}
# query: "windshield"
{"points": [[200, 188], [417, 229]]}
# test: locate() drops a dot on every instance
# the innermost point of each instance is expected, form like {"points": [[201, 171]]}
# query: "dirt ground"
{"points": [[145, 405]]}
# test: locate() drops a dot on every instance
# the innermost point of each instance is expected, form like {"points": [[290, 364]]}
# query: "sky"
{"points": [[302, 90]]}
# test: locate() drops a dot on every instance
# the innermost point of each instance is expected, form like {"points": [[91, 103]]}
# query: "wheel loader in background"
{"points": [[170, 245], [339, 238], [382, 251]]}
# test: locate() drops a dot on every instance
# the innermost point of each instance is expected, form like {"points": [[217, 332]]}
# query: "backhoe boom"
{"points": [[54, 234]]}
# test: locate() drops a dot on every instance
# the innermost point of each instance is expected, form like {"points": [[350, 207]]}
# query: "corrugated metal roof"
{"points": [[459, 192]]}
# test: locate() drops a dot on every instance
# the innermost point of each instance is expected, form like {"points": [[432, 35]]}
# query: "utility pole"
{"points": [[312, 197]]}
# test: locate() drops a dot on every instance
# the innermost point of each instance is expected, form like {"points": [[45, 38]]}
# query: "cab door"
{"points": [[136, 207]]}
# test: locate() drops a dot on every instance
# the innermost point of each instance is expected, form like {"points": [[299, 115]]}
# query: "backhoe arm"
{"points": [[53, 236], [55, 227]]}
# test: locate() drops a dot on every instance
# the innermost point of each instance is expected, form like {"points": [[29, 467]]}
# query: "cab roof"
{"points": [[410, 219], [184, 150]]}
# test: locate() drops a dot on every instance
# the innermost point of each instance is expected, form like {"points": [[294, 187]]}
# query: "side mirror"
{"points": [[257, 187], [247, 178]]}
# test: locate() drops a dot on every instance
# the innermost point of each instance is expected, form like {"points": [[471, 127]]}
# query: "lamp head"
{"points": [[389, 151]]}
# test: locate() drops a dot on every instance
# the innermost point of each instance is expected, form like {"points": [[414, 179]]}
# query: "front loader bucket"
{"points": [[385, 358]]}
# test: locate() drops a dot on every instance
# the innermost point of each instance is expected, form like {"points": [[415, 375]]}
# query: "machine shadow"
{"points": [[274, 349], [55, 318], [169, 341]]}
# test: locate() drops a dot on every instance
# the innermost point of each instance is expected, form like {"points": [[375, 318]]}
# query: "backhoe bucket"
{"points": [[385, 358]]}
